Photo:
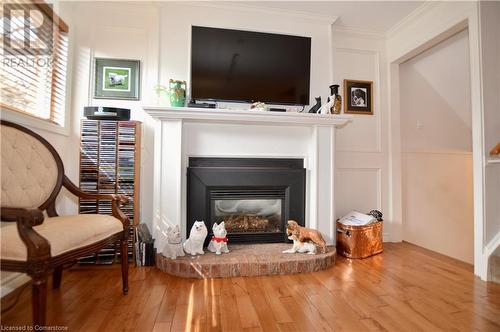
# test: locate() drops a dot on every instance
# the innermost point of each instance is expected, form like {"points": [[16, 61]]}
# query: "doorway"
{"points": [[436, 149]]}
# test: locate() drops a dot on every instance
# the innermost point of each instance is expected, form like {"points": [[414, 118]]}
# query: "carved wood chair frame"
{"points": [[39, 261]]}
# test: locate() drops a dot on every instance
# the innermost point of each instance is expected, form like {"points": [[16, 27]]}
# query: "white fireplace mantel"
{"points": [[181, 133], [244, 116]]}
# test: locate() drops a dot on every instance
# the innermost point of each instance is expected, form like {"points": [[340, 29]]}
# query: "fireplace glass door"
{"points": [[248, 215], [254, 197]]}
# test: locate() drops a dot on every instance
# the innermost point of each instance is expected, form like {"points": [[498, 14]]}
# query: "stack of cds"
{"points": [[108, 160]]}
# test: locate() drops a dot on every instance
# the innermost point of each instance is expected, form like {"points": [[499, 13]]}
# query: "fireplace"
{"points": [[254, 197]]}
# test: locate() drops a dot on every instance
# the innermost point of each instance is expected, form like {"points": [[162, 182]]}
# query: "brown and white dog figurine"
{"points": [[301, 247], [306, 234]]}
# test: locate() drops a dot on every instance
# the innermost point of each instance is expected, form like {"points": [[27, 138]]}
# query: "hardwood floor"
{"points": [[406, 288]]}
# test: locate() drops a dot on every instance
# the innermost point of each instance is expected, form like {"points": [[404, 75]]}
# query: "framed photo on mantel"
{"points": [[358, 97]]}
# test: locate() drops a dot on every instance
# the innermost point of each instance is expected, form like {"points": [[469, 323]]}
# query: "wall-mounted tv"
{"points": [[246, 66]]}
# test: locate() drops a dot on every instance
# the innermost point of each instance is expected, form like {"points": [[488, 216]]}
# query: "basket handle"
{"points": [[346, 232]]}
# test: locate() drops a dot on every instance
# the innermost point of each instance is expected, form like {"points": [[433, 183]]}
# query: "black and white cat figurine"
{"points": [[317, 106]]}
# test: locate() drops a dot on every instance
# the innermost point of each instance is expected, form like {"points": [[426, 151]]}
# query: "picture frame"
{"points": [[117, 79], [358, 97]]}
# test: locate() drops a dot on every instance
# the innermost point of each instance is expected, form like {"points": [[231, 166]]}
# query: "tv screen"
{"points": [[245, 66]]}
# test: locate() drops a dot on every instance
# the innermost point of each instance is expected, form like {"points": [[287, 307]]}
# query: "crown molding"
{"points": [[318, 18], [426, 6]]}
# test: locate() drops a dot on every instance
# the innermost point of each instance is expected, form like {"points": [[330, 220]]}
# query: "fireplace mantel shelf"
{"points": [[245, 116]]}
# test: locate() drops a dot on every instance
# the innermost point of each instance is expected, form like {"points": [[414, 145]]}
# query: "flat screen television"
{"points": [[246, 66]]}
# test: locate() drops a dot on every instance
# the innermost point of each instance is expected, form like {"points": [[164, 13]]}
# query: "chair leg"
{"points": [[57, 277], [39, 299], [124, 257]]}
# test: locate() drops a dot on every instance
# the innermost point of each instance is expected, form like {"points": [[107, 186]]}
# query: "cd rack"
{"points": [[110, 164]]}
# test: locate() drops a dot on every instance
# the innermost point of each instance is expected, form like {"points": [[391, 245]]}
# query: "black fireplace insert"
{"points": [[254, 197]]}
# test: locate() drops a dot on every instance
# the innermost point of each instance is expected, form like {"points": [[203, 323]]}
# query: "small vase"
{"points": [[177, 93], [337, 99]]}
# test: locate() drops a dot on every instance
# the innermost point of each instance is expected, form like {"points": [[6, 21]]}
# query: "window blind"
{"points": [[34, 60]]}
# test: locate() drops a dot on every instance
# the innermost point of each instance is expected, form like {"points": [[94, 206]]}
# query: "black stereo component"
{"points": [[201, 105], [106, 113]]}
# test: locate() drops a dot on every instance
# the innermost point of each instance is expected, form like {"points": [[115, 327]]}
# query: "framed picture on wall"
{"points": [[117, 79], [358, 97]]}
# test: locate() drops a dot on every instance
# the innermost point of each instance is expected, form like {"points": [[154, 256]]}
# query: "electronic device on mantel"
{"points": [[106, 113], [246, 66]]}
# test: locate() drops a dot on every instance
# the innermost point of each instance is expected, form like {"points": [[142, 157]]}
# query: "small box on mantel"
{"points": [[359, 241]]}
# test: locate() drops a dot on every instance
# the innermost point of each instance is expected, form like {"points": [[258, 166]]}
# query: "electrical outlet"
{"points": [[420, 124]]}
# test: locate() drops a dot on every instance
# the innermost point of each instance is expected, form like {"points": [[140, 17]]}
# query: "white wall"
{"points": [[435, 97], [361, 146]]}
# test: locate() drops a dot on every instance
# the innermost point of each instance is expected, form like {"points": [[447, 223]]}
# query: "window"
{"points": [[34, 60]]}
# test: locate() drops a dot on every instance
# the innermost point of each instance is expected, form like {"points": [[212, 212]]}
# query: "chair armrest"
{"points": [[117, 200], [38, 246], [122, 199]]}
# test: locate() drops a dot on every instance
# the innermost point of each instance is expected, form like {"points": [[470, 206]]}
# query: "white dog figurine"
{"points": [[218, 243], [300, 247], [173, 248], [194, 245]]}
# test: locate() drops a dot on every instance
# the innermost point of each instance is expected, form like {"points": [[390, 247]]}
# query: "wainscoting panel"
{"points": [[438, 202], [358, 189]]}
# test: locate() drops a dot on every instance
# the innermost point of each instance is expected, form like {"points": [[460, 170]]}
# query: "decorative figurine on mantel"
{"points": [[218, 243], [258, 106], [304, 234], [177, 92], [326, 108], [334, 102], [173, 248], [316, 106], [337, 99], [197, 236]]}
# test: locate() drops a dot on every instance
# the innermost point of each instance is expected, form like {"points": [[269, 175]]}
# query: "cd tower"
{"points": [[110, 164]]}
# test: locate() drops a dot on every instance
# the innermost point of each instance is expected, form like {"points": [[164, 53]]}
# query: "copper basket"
{"points": [[359, 241]]}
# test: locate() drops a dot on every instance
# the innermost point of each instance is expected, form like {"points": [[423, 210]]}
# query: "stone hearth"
{"points": [[246, 260]]}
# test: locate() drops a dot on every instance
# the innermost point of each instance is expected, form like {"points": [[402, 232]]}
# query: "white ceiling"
{"points": [[378, 16]]}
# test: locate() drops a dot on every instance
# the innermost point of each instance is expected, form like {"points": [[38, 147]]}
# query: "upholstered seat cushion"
{"points": [[63, 233]]}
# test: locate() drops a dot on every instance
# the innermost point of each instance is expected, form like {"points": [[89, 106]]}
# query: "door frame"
{"points": [[463, 18]]}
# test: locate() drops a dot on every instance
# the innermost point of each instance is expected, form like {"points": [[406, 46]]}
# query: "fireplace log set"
{"points": [[242, 223]]}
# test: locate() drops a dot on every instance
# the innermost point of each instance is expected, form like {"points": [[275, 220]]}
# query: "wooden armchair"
{"points": [[32, 175]]}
